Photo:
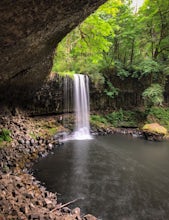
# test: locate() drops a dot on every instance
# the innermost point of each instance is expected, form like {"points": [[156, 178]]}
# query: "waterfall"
{"points": [[80, 87], [82, 109], [67, 104]]}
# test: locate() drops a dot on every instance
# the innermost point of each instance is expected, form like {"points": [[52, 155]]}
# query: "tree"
{"points": [[84, 49], [116, 41], [154, 16]]}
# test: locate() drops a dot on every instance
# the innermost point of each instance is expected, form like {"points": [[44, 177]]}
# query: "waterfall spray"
{"points": [[81, 106], [82, 109]]}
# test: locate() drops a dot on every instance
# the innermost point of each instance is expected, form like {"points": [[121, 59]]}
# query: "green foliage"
{"points": [[121, 71], [160, 115], [113, 35], [149, 68], [119, 118], [5, 135], [67, 73], [153, 95], [98, 80], [127, 43], [123, 118], [52, 131], [111, 91], [33, 135], [98, 118], [98, 121], [84, 49], [154, 19], [115, 117]]}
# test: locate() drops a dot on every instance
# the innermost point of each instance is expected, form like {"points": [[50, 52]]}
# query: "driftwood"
{"points": [[66, 204]]}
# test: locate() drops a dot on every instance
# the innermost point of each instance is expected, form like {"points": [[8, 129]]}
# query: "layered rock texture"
{"points": [[30, 32], [50, 98]]}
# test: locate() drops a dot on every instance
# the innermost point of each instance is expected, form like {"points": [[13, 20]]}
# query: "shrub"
{"points": [[111, 91], [98, 118], [5, 135], [115, 117], [123, 118], [153, 95], [119, 118], [159, 114], [148, 67]]}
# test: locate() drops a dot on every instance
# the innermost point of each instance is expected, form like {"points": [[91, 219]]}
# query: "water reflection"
{"points": [[77, 182], [119, 177]]}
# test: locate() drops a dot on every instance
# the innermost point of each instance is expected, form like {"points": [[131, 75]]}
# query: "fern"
{"points": [[153, 95], [111, 91]]}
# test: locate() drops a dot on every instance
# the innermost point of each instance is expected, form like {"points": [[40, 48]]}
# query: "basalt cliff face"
{"points": [[30, 32], [50, 99]]}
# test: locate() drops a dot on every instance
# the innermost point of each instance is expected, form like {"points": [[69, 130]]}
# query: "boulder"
{"points": [[154, 132]]}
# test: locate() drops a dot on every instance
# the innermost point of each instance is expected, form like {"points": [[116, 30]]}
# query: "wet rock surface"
{"points": [[154, 132], [153, 137], [21, 195], [30, 32], [135, 132]]}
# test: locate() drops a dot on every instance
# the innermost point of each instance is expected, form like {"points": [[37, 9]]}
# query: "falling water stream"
{"points": [[116, 177], [81, 96], [81, 106]]}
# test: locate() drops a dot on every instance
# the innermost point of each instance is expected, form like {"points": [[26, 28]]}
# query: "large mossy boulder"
{"points": [[154, 132]]}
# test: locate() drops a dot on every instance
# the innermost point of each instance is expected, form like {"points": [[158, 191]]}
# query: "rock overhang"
{"points": [[30, 32]]}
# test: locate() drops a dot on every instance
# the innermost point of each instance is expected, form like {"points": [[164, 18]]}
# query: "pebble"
{"points": [[32, 141], [27, 142], [21, 141], [50, 146], [76, 211], [22, 197], [89, 217], [110, 131]]}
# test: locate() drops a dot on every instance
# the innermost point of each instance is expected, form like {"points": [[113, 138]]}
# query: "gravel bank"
{"points": [[21, 195]]}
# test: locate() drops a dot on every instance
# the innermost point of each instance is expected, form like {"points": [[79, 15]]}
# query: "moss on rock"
{"points": [[155, 128]]}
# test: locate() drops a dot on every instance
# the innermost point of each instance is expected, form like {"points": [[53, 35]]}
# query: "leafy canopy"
{"points": [[116, 41]]}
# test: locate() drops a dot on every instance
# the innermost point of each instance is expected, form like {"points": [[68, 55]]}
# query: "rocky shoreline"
{"points": [[21, 195], [124, 131], [134, 132]]}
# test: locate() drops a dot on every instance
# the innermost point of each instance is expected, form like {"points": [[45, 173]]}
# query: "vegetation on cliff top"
{"points": [[116, 41]]}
